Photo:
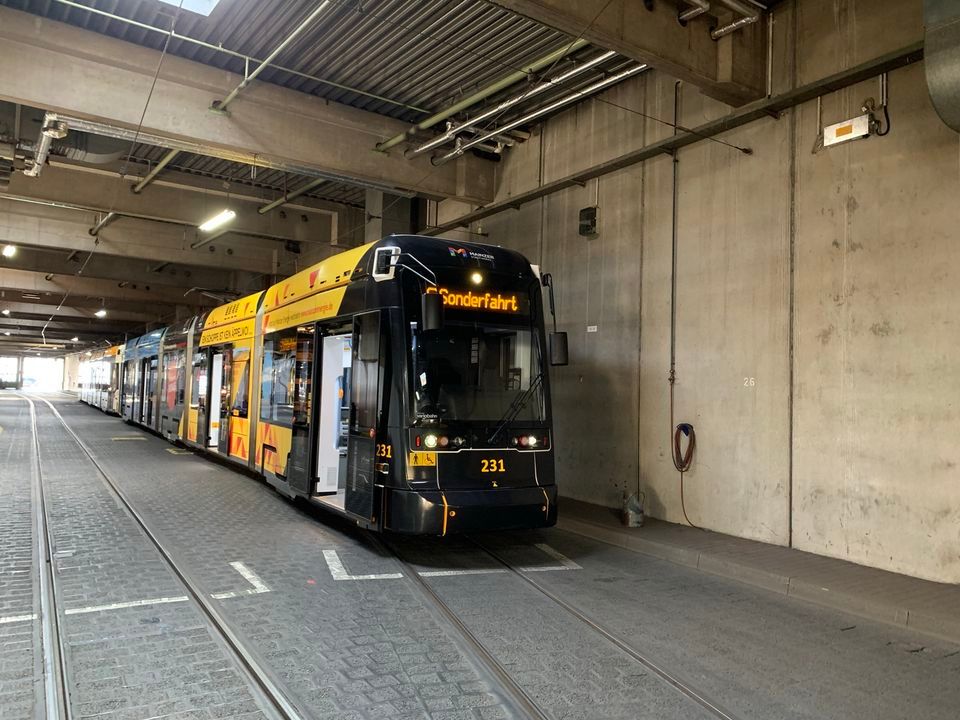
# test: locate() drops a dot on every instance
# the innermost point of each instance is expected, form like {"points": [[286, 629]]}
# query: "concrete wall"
{"points": [[816, 304]]}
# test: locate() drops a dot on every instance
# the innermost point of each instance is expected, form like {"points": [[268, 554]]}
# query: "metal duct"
{"points": [[942, 58]]}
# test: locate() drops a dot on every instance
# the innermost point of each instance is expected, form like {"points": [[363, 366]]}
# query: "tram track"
{"points": [[272, 700], [515, 690]]}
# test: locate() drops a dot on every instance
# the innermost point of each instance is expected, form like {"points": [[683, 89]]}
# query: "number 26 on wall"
{"points": [[492, 466]]}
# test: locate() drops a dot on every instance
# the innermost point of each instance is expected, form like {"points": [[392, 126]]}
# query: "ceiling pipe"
{"points": [[699, 8], [247, 59], [53, 129], [157, 169], [454, 129], [221, 105], [287, 197], [556, 105], [104, 221], [483, 94], [749, 15]]}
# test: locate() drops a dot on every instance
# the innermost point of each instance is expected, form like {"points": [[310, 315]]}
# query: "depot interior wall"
{"points": [[815, 305]]}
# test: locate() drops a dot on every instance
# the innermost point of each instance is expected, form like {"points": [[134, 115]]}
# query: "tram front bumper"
{"points": [[445, 513]]}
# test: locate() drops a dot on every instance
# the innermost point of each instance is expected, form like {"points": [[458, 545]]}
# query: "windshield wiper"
{"points": [[518, 404]]}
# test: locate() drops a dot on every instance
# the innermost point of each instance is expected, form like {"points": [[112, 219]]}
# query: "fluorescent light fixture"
{"points": [[101, 313], [9, 251], [200, 7], [221, 218], [7, 333], [74, 339], [6, 311]]}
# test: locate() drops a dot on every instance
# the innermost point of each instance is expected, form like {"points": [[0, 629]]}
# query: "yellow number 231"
{"points": [[492, 466]]}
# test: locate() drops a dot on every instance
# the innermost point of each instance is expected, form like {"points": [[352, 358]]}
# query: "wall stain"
{"points": [[882, 329], [824, 335], [852, 205]]}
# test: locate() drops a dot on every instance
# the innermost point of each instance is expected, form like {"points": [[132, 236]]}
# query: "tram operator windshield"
{"points": [[475, 372]]}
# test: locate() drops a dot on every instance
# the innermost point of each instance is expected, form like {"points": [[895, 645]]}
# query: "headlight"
{"points": [[532, 441], [430, 441]]}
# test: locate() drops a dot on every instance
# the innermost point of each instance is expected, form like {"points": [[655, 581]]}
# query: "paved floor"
{"points": [[922, 605], [348, 633]]}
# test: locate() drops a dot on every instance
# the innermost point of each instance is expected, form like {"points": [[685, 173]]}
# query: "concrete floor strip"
{"points": [[450, 573], [565, 562], [259, 586], [124, 605], [339, 572], [17, 618]]}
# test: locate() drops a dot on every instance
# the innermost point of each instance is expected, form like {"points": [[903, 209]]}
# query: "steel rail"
{"points": [[681, 685], [56, 693], [271, 699], [517, 694]]}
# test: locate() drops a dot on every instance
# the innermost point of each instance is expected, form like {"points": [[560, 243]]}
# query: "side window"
{"points": [[277, 386], [366, 372], [240, 382]]}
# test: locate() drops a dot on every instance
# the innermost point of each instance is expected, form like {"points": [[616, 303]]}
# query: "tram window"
{"points": [[240, 381], [475, 372], [277, 385], [366, 372], [173, 379]]}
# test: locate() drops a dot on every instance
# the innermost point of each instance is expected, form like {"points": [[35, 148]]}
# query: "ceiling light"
{"points": [[9, 251], [221, 218], [101, 313], [6, 311], [74, 339], [6, 332]]}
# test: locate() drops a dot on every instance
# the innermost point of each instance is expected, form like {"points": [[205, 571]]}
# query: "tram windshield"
{"points": [[474, 372]]}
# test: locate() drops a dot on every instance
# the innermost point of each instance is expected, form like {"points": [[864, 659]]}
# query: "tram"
{"points": [[402, 384]]}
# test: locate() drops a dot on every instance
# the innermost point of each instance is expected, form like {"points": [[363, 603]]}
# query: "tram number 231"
{"points": [[492, 465], [384, 450]]}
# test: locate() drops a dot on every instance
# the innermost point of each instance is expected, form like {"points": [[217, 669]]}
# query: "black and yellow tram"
{"points": [[402, 383]]}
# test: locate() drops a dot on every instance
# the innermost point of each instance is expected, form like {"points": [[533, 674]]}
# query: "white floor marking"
{"points": [[259, 586], [565, 562], [127, 604], [17, 618], [339, 572], [449, 573], [129, 437]]}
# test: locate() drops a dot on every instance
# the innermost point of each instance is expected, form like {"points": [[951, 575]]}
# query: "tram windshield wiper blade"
{"points": [[519, 402]]}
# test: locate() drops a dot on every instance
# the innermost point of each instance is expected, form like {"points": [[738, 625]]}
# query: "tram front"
{"points": [[475, 429]]}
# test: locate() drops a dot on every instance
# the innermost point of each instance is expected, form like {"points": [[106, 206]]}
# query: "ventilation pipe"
{"points": [[748, 16], [53, 129], [699, 7], [556, 105], [942, 58], [454, 129], [483, 93]]}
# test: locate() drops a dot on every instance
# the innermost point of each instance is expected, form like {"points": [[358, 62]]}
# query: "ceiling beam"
{"points": [[59, 228], [54, 66], [114, 294], [177, 205], [731, 69], [78, 307], [135, 271]]}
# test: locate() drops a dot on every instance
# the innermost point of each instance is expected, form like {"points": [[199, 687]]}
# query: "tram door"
{"points": [[149, 390], [216, 403], [366, 371], [218, 436], [298, 469], [333, 424]]}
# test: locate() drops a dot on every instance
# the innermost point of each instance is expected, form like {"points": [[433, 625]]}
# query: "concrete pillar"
{"points": [[386, 215]]}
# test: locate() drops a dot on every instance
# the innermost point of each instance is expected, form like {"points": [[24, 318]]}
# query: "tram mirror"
{"points": [[431, 316], [557, 343]]}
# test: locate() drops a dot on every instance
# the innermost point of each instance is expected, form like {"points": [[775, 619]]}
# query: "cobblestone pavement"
{"points": [[20, 657], [372, 648], [156, 659], [345, 650]]}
